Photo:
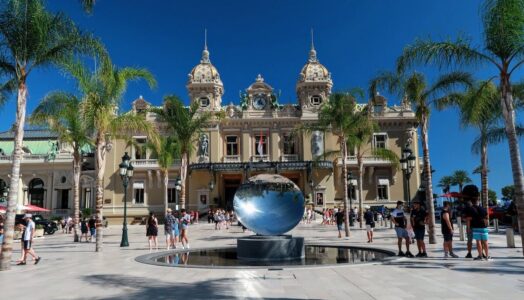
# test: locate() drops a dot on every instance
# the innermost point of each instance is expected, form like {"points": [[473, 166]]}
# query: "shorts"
{"points": [[448, 236], [168, 232], [480, 234], [92, 231], [401, 232], [1, 239], [369, 228], [419, 233], [339, 227], [27, 245]]}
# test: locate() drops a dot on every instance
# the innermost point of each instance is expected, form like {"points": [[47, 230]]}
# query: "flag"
{"points": [[260, 148]]}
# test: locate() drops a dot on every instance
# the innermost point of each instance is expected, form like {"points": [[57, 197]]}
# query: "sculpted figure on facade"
{"points": [[204, 145], [317, 143]]}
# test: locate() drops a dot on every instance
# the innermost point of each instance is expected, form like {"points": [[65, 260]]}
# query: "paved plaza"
{"points": [[74, 271]]}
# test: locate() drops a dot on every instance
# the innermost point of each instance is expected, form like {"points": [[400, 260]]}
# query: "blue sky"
{"points": [[353, 39]]}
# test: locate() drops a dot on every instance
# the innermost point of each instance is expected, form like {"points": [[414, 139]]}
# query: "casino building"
{"points": [[254, 137]]}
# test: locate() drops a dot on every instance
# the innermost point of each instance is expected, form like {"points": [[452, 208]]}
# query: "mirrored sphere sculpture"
{"points": [[269, 204]]}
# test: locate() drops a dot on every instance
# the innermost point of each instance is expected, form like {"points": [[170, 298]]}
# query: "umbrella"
{"points": [[30, 207], [451, 195]]}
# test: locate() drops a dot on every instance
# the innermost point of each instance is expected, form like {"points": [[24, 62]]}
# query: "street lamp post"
{"points": [[407, 163], [350, 184], [178, 187], [126, 173]]}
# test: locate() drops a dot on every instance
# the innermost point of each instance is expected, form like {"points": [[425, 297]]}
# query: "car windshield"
{"points": [[37, 218]]}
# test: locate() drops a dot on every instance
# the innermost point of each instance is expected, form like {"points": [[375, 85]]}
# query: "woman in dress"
{"points": [[152, 231]]}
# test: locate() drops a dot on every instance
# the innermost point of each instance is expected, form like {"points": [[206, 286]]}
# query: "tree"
{"points": [[88, 5], [101, 93], [502, 50], [508, 192], [166, 151], [492, 197], [445, 183], [460, 177], [417, 92], [61, 112], [185, 124], [31, 38]]}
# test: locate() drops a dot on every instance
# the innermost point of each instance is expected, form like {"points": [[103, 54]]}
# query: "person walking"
{"points": [[27, 237], [185, 220], [339, 216], [477, 220], [447, 230], [370, 223], [419, 218], [400, 221], [83, 229], [168, 229], [152, 231]]}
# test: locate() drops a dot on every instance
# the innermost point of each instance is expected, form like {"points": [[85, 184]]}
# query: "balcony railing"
{"points": [[289, 157], [232, 158], [260, 158], [367, 160], [149, 163], [36, 158]]}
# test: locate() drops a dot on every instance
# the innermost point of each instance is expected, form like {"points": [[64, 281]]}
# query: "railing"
{"points": [[289, 157], [36, 157], [232, 158], [256, 158], [368, 159], [149, 163]]}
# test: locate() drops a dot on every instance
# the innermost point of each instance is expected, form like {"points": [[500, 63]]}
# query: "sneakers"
{"points": [[400, 253], [453, 255], [187, 246], [489, 258], [446, 255], [419, 255], [424, 254], [38, 260], [478, 258], [469, 255], [408, 254]]}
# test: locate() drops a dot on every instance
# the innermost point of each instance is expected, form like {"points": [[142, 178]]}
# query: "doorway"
{"points": [[230, 187]]}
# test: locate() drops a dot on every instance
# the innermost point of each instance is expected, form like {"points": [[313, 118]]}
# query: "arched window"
{"points": [[36, 192]]}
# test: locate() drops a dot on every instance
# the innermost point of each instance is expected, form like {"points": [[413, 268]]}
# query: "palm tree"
{"points": [[186, 125], [460, 178], [61, 112], [88, 5], [31, 38], [166, 151], [415, 89], [445, 183], [503, 22], [101, 94]]}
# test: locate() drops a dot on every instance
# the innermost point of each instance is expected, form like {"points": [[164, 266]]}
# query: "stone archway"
{"points": [[36, 192]]}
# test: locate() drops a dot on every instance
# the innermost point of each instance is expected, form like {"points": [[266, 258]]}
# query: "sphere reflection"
{"points": [[269, 204]]}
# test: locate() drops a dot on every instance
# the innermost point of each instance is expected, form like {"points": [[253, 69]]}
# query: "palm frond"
{"points": [[447, 83], [88, 5], [6, 90], [387, 155]]}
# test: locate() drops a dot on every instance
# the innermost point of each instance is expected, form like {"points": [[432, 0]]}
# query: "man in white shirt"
{"points": [[27, 237]]}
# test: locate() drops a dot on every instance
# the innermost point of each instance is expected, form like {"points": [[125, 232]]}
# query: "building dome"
{"points": [[204, 72], [313, 70]]}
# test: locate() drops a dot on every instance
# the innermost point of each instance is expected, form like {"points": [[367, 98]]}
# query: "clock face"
{"points": [[259, 102]]}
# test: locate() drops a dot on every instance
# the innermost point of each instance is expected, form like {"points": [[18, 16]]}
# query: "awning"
{"points": [[138, 185], [383, 181]]}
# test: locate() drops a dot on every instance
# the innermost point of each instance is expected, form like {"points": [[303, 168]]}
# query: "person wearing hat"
{"points": [[169, 231], [400, 221], [370, 223], [477, 221], [27, 237], [419, 218]]}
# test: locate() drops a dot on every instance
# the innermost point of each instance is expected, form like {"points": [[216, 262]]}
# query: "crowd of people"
{"points": [[221, 217], [176, 225]]}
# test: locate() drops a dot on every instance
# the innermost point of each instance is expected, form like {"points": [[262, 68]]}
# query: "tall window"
{"points": [[316, 100], [36, 192], [231, 145], [289, 144], [138, 192], [380, 140], [383, 189], [260, 144], [140, 148], [171, 192], [64, 199]]}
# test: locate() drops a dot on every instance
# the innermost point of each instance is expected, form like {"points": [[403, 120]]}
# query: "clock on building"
{"points": [[259, 102]]}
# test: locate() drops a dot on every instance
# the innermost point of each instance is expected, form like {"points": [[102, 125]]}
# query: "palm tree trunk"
{"points": [[76, 190], [166, 182], [183, 174], [345, 176], [484, 173], [9, 225], [100, 168], [360, 190], [429, 186], [514, 150]]}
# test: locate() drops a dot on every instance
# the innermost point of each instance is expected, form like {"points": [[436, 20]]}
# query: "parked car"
{"points": [[50, 227], [500, 213], [438, 213]]}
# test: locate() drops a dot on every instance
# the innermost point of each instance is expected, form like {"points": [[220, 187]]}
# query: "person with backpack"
{"points": [[169, 232], [370, 223], [419, 218], [83, 229], [477, 220], [399, 219]]}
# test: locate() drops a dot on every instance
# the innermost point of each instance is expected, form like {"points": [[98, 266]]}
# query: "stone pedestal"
{"points": [[270, 248]]}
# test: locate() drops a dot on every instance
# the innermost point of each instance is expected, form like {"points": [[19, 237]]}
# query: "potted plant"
{"points": [[39, 230]]}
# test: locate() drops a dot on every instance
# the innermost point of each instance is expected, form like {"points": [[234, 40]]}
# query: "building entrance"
{"points": [[230, 187]]}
